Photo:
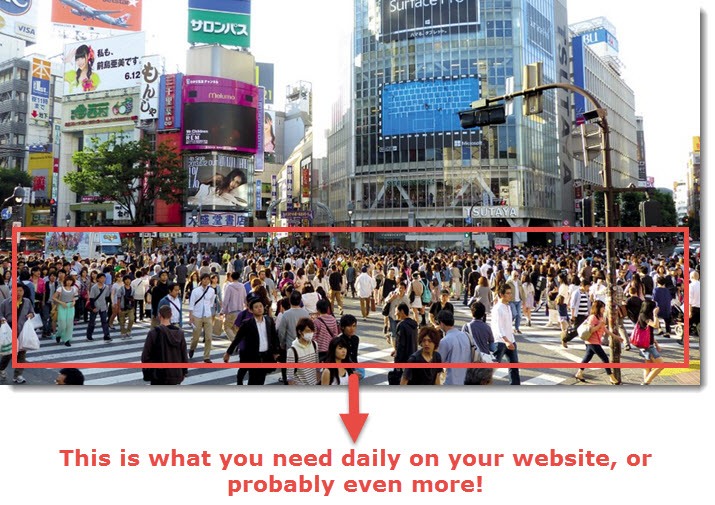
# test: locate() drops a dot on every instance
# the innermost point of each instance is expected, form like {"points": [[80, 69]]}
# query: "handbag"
{"points": [[584, 331], [394, 377], [386, 309], [477, 355], [372, 304], [622, 311], [27, 340], [571, 333]]}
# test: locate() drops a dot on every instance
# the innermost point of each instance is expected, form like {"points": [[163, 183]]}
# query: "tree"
{"points": [[630, 209], [9, 179], [133, 174]]}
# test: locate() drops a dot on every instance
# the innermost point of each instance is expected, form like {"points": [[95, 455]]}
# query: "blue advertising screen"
{"points": [[427, 106]]}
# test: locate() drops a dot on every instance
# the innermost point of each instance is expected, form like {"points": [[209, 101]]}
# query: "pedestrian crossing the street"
{"points": [[373, 349]]}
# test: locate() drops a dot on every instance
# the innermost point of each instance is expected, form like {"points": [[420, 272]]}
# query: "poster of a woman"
{"points": [[230, 190], [82, 79]]}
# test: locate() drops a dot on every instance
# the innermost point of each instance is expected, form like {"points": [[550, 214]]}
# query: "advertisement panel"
{"points": [[259, 195], [409, 19], [260, 141], [579, 77], [219, 219], [121, 15], [696, 144], [269, 134], [19, 18], [414, 113], [151, 79], [104, 64], [109, 110], [40, 168], [170, 92], [274, 193], [219, 181], [220, 114], [265, 78], [306, 167], [40, 91], [208, 27]]}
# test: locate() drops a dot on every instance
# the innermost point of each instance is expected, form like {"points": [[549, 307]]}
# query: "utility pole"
{"points": [[484, 112]]}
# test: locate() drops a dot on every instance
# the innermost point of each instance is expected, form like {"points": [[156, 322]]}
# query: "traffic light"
{"points": [[592, 139], [483, 116], [533, 77], [468, 235], [588, 212], [53, 208]]}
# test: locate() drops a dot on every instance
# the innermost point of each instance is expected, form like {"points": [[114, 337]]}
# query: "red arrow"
{"points": [[353, 420]]}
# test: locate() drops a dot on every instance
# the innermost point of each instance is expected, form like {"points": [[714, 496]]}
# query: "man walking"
{"points": [[454, 348], [504, 342], [125, 307], [98, 305], [335, 281], [165, 343], [365, 286], [25, 312], [234, 301], [259, 342], [200, 304]]}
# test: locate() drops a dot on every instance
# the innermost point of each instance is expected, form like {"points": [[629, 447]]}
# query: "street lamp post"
{"points": [[482, 114], [351, 210], [14, 200]]}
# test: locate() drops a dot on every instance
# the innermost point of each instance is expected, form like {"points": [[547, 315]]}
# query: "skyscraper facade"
{"points": [[416, 64]]}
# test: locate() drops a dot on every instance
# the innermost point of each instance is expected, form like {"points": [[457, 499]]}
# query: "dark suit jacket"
{"points": [[248, 341]]}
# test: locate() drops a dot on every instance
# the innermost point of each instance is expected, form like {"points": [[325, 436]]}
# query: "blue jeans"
{"points": [[499, 350], [516, 313], [93, 320]]}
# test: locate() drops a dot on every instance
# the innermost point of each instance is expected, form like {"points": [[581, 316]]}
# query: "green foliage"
{"points": [[9, 179], [132, 174], [630, 209], [667, 208]]}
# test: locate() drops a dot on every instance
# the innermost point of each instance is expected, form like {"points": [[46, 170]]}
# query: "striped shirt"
{"points": [[304, 354]]}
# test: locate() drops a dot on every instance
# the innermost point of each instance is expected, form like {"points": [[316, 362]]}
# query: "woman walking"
{"points": [[597, 323], [428, 338], [338, 354], [648, 321], [65, 298]]}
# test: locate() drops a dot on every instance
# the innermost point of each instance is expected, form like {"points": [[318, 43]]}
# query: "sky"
{"points": [[659, 47]]}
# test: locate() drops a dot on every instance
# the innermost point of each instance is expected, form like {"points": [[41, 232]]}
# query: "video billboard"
{"points": [[19, 18], [410, 19], [220, 114], [415, 112], [104, 64], [114, 15], [219, 181]]}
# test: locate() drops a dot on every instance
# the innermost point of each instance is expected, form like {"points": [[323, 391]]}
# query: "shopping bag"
{"points": [[28, 340], [5, 339]]}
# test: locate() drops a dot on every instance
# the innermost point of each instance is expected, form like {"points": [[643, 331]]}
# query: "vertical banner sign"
{"points": [[55, 177], [274, 193], [259, 196], [169, 109], [265, 79], [289, 188], [305, 169], [151, 74], [261, 133], [40, 91]]}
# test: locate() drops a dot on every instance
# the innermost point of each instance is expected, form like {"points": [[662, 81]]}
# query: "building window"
{"points": [[22, 74]]}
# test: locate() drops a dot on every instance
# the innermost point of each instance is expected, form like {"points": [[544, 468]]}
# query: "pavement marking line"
{"points": [[544, 380]]}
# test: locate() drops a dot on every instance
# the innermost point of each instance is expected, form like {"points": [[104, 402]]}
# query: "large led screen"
{"points": [[410, 19], [426, 106], [220, 126]]}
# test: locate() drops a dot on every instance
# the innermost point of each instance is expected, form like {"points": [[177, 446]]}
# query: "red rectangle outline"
{"points": [[17, 231]]}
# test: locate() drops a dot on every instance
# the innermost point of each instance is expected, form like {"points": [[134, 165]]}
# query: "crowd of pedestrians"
{"points": [[286, 304]]}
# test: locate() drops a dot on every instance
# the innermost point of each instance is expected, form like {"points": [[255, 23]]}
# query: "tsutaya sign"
{"points": [[502, 211]]}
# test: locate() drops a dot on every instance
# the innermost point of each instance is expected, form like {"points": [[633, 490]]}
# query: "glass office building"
{"points": [[416, 63]]}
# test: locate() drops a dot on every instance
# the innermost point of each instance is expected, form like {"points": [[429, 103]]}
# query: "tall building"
{"points": [[694, 181], [14, 89], [412, 164], [596, 67]]}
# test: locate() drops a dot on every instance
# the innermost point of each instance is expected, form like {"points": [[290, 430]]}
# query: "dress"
{"points": [[65, 315]]}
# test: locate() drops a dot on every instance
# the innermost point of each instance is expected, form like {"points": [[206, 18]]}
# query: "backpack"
{"points": [[640, 337], [426, 293], [541, 284]]}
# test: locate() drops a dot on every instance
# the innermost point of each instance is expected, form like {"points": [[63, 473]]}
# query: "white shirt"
{"points": [[694, 293], [175, 305], [501, 323], [262, 335], [203, 308]]}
